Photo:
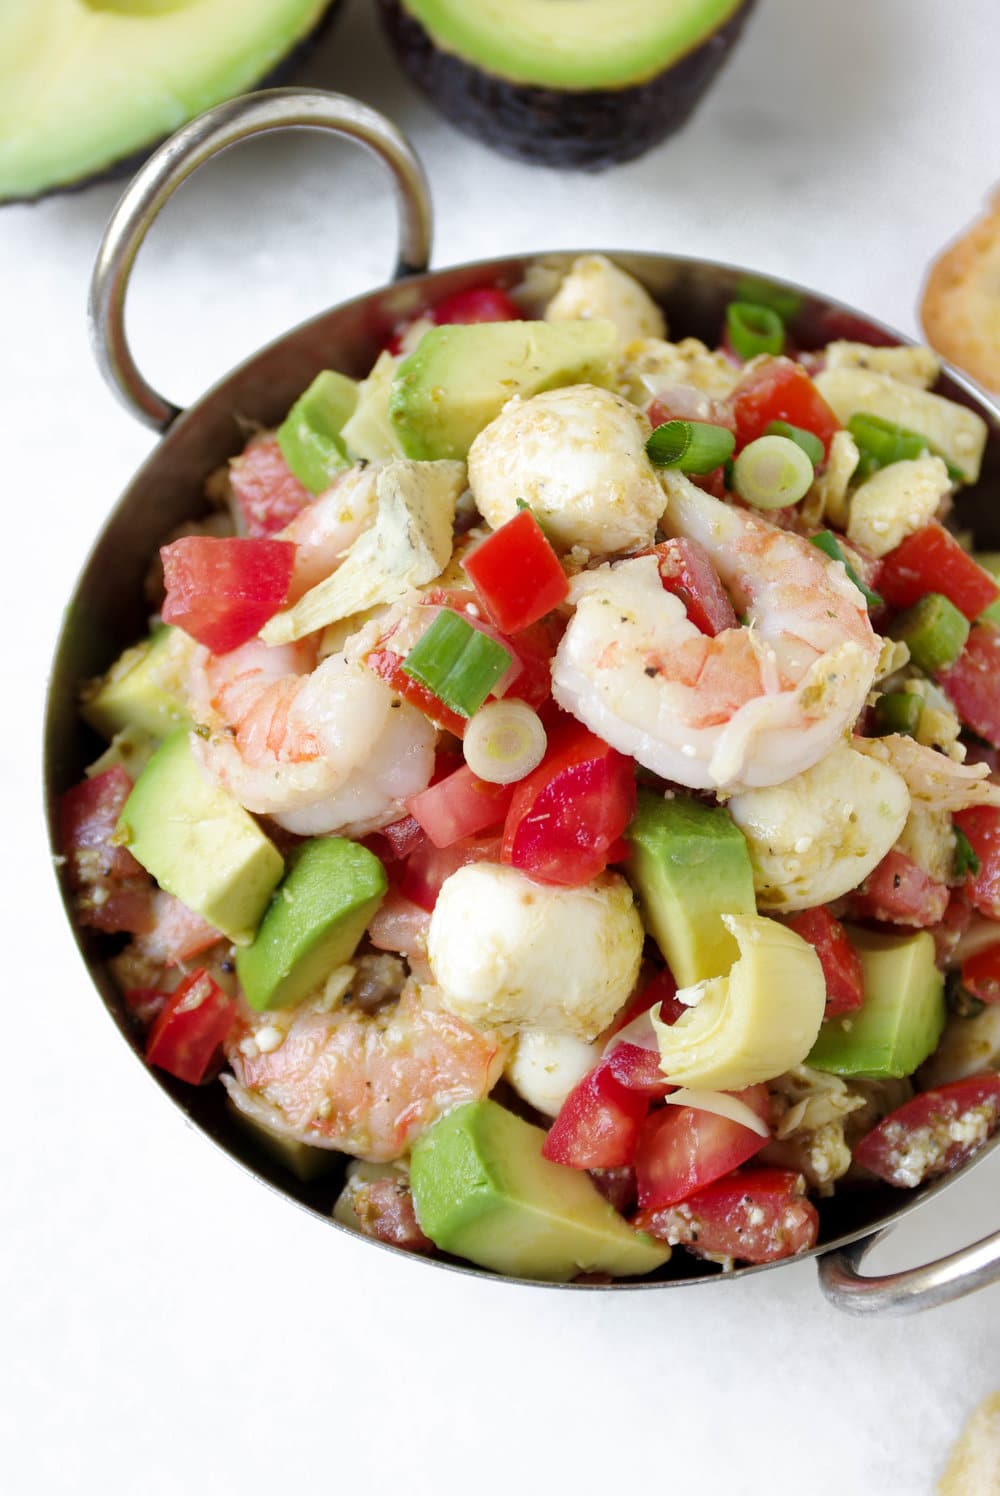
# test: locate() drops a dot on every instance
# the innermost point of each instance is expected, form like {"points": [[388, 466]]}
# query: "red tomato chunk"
{"points": [[981, 825], [459, 806], [981, 974], [931, 560], [973, 682], [681, 1149], [193, 1024], [517, 575], [567, 815], [686, 570], [426, 868], [933, 1133], [481, 304], [113, 893], [899, 892], [780, 390], [842, 971], [267, 493], [598, 1123], [757, 1215], [222, 592], [388, 666]]}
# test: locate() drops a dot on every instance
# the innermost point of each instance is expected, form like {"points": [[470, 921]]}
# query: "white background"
{"points": [[170, 1326]]}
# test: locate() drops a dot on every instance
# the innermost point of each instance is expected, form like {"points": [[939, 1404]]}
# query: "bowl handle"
{"points": [[205, 137], [912, 1290]]}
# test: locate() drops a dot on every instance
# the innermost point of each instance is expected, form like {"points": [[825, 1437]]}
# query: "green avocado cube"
{"points": [[143, 690], [310, 435], [482, 1190], [314, 922], [460, 376], [690, 865], [198, 842], [903, 1014]]}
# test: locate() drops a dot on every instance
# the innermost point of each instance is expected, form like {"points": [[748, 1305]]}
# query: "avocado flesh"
{"points": [[305, 1162], [574, 44], [482, 1190], [309, 436], [198, 842], [690, 866], [144, 689], [84, 83], [313, 924], [903, 1015], [459, 378]]}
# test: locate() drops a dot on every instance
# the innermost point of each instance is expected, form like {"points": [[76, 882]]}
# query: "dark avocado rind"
{"points": [[20, 183], [587, 129]]}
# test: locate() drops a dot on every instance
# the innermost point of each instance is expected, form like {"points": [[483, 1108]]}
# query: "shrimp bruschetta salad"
{"points": [[561, 776]]}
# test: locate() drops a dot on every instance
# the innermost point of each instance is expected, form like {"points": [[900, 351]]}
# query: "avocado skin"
{"points": [[587, 130]]}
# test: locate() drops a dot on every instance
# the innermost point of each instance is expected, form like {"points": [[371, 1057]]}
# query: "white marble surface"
{"points": [[168, 1326]]}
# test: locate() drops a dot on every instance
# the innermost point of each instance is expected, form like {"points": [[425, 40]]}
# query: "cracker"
{"points": [[960, 310]]}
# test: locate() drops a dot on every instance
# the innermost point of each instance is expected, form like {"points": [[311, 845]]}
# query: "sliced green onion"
{"points": [[827, 542], [990, 561], [881, 443], [807, 440], [899, 711], [773, 472], [966, 860], [458, 663], [754, 329], [935, 631], [692, 446], [504, 741], [760, 292]]}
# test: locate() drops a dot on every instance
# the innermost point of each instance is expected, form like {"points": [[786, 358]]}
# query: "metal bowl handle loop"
{"points": [[907, 1292], [205, 137]]}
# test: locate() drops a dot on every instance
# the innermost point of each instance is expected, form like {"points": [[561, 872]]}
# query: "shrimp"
{"points": [[363, 1083], [753, 706], [321, 749], [324, 530], [932, 778]]}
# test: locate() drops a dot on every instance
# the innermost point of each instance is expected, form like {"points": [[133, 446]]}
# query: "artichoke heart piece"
{"points": [[755, 1023]]}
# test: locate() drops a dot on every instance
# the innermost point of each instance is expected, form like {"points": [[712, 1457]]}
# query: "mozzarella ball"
{"points": [[544, 1068], [578, 457], [509, 953], [594, 287], [816, 836]]}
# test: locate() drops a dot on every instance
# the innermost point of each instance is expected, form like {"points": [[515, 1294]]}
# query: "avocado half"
{"points": [[87, 85], [578, 83]]}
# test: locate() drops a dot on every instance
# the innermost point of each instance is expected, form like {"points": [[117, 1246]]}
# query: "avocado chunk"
{"points": [[903, 1015], [690, 865], [143, 690], [482, 1190], [369, 433], [459, 377], [309, 436], [313, 923], [302, 1160], [198, 842], [86, 83], [574, 84]]}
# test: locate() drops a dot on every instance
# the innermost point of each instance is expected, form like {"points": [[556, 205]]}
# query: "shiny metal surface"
{"points": [[207, 136], [107, 611]]}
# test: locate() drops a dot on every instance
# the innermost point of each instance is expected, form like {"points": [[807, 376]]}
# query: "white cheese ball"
{"points": [[544, 1068], [816, 836], [577, 456], [594, 287], [509, 953], [896, 502]]}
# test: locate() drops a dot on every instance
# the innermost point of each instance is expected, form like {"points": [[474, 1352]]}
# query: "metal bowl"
{"points": [[107, 612]]}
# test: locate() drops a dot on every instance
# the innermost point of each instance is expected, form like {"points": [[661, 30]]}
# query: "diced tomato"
{"points": [[145, 1004], [756, 1215], [633, 1065], [534, 647], [683, 402], [459, 806], [113, 892], [660, 989], [388, 666], [899, 892], [780, 390], [481, 304], [931, 560], [981, 974], [268, 494], [567, 814], [395, 842], [973, 682], [186, 1036], [223, 591], [981, 824], [384, 1209], [686, 570], [424, 872], [957, 919], [178, 934], [842, 971], [598, 1123], [517, 575], [933, 1133], [681, 1149]]}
